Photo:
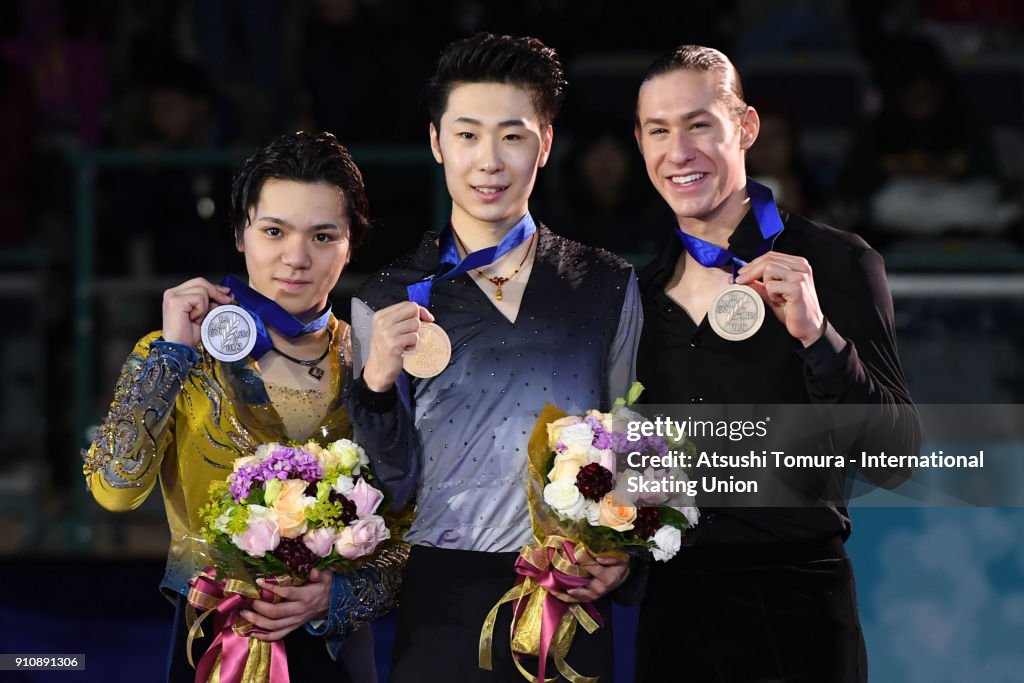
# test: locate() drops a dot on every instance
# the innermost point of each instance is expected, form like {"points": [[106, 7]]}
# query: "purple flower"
{"points": [[602, 439], [620, 443], [657, 444], [284, 462]]}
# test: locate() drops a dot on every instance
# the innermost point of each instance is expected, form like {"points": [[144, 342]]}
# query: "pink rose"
{"points": [[365, 497], [362, 538], [605, 457], [263, 533], [320, 541]]}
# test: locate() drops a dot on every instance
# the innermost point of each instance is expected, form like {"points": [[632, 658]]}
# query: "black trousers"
{"points": [[748, 614], [308, 659], [445, 597]]}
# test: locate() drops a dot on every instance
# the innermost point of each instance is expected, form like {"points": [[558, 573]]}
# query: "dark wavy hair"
{"points": [[305, 158], [488, 58]]}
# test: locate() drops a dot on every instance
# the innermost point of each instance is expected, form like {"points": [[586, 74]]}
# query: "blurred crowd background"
{"points": [[122, 121]]}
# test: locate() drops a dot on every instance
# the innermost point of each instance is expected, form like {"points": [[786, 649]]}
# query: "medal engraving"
{"points": [[432, 353], [737, 313], [229, 333]]}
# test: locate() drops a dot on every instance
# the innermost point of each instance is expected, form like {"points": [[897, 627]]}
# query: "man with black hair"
{"points": [[532, 318], [182, 415]]}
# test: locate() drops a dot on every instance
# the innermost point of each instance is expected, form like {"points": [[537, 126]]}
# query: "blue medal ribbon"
{"points": [[450, 266], [762, 203], [268, 312]]}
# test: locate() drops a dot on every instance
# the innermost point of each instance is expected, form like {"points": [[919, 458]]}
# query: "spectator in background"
{"points": [[58, 43], [600, 196], [777, 161], [242, 45], [172, 108], [17, 137], [920, 167], [782, 27], [348, 54]]}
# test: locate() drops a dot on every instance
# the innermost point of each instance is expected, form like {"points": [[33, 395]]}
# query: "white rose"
{"points": [[577, 435], [691, 513], [555, 428], [667, 540], [324, 457], [343, 485], [350, 455], [566, 466], [624, 417], [576, 452], [564, 497]]}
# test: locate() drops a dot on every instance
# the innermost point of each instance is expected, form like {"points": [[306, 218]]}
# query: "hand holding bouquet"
{"points": [[281, 513], [578, 507]]}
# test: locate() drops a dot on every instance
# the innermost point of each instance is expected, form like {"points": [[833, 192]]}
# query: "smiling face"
{"points": [[491, 143], [296, 244], [693, 145]]}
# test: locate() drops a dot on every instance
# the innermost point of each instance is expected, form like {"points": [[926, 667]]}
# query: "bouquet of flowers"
{"points": [[281, 513], [579, 505], [585, 500]]}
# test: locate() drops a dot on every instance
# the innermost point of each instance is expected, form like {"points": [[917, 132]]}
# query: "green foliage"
{"points": [[673, 517], [323, 514], [256, 497]]}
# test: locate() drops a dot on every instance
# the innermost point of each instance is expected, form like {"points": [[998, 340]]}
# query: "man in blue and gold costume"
{"points": [[181, 416]]}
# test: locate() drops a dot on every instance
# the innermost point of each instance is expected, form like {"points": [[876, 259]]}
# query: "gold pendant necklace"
{"points": [[498, 281]]}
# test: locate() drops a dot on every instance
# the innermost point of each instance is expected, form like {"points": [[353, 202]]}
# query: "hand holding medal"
{"points": [[404, 337], [786, 284], [187, 307], [738, 311]]}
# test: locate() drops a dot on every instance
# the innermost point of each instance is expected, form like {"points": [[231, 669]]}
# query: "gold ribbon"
{"points": [[525, 629], [202, 595], [209, 604]]}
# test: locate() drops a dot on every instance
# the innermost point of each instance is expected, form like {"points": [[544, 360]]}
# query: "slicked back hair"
{"points": [[304, 158], [703, 60], [488, 58]]}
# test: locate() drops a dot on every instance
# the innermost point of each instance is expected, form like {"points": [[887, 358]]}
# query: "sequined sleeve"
{"points": [[122, 464], [361, 597], [622, 354], [383, 422]]}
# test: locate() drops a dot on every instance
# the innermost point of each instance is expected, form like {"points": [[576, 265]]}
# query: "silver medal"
{"points": [[737, 313], [229, 333]]}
